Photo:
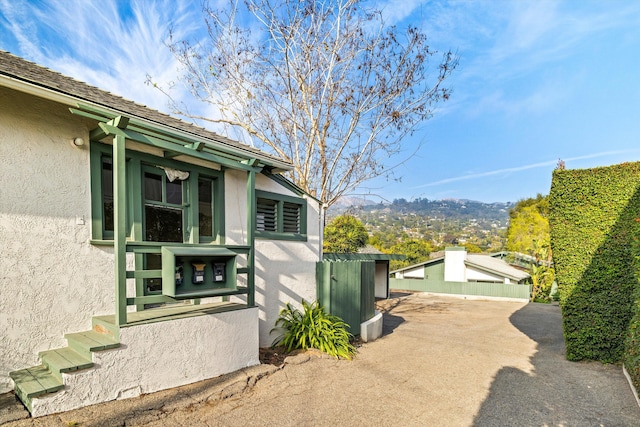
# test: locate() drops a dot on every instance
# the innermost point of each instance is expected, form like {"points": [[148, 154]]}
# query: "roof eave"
{"points": [[274, 165], [492, 271]]}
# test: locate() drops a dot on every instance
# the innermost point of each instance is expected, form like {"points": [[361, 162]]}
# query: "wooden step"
{"points": [[64, 360], [33, 382], [87, 342]]}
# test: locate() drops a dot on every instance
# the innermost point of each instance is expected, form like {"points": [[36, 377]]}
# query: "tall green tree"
{"points": [[528, 233], [529, 225], [345, 234], [415, 251]]}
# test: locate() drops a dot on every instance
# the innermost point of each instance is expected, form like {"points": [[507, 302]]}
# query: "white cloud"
{"points": [[506, 171], [109, 44]]}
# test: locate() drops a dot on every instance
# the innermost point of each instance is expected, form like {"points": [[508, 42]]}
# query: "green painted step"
{"points": [[33, 382], [86, 342], [64, 360]]}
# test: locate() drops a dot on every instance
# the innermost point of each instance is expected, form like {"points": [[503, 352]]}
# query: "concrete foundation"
{"points": [[372, 328]]}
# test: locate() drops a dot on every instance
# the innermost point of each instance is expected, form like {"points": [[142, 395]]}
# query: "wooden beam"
{"points": [[183, 137], [198, 145], [251, 240], [119, 227], [120, 122]]}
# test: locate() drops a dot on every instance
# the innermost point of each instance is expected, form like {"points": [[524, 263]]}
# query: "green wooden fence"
{"points": [[502, 290], [347, 289]]}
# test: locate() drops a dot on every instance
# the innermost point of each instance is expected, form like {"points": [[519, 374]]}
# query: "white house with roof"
{"points": [[139, 252], [459, 272]]}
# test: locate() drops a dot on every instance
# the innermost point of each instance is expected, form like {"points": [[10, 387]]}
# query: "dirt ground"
{"points": [[441, 361]]}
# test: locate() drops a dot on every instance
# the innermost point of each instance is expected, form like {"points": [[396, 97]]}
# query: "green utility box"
{"points": [[189, 272]]}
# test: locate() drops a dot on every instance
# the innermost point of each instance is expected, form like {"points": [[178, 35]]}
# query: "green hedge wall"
{"points": [[594, 216]]}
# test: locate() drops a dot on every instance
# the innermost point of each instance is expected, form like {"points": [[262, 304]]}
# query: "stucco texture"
{"points": [[158, 356], [53, 281], [285, 270]]}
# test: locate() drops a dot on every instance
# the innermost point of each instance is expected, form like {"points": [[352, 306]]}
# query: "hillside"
{"points": [[440, 222]]}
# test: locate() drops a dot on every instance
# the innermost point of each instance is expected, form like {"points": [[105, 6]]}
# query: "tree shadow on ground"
{"points": [[391, 321], [557, 392]]}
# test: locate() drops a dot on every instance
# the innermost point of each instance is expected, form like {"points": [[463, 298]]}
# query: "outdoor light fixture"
{"points": [[77, 142]]}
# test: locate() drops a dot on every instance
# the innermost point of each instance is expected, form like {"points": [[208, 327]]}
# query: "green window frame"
{"points": [[140, 202], [280, 217]]}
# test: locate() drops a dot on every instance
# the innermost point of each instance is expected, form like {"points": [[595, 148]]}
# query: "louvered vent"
{"points": [[291, 218], [267, 214]]}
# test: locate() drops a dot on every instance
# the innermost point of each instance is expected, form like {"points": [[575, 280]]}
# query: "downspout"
{"points": [[321, 225]]}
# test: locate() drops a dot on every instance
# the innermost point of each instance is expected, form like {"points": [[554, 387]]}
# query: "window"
{"points": [[280, 217], [205, 208], [163, 208], [107, 195], [158, 209]]}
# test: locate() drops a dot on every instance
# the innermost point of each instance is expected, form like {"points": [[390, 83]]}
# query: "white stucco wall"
{"points": [[382, 279], [412, 273], [52, 280], [285, 270], [158, 356], [454, 268], [482, 276]]}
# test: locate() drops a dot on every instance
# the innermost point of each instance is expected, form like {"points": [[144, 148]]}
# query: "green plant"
{"points": [[313, 328], [593, 218], [345, 234]]}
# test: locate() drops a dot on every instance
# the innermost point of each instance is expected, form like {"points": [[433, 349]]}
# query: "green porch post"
{"points": [[251, 227], [119, 227]]}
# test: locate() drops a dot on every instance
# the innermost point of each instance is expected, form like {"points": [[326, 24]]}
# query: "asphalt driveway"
{"points": [[442, 361]]}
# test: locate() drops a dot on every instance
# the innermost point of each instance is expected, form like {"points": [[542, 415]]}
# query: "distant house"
{"points": [[139, 252], [459, 272]]}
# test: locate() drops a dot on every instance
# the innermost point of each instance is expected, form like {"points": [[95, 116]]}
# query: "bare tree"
{"points": [[324, 84]]}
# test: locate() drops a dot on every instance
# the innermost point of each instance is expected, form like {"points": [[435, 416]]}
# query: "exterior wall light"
{"points": [[77, 142]]}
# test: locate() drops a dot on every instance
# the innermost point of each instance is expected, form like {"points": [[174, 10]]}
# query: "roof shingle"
{"points": [[20, 69]]}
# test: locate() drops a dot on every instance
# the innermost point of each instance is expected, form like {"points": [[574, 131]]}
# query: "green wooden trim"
{"points": [[95, 162], [251, 234], [140, 282], [95, 117], [198, 251], [144, 274], [182, 138], [119, 226], [219, 218], [136, 210], [101, 242], [141, 300], [169, 146], [137, 162], [216, 292], [330, 256], [193, 230], [273, 235]]}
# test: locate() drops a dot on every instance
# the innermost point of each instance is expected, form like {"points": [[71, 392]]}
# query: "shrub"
{"points": [[593, 213], [345, 234], [313, 328]]}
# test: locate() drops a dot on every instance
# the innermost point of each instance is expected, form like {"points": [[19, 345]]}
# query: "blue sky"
{"points": [[537, 81]]}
